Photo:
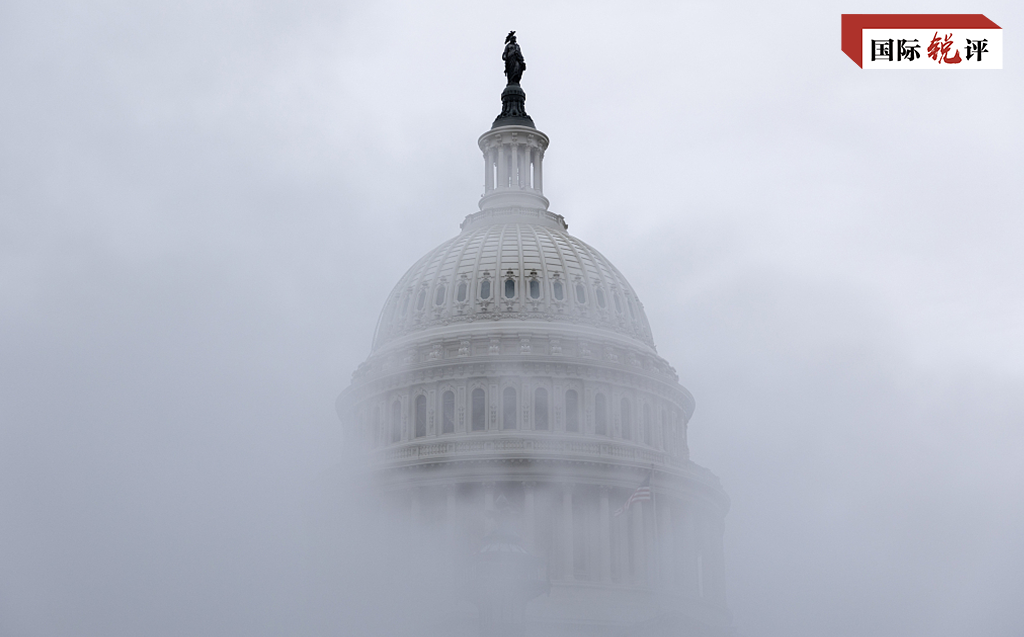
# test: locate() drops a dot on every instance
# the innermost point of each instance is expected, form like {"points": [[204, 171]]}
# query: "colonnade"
{"points": [[669, 543], [514, 164]]}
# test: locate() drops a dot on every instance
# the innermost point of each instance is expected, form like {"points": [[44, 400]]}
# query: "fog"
{"points": [[203, 208]]}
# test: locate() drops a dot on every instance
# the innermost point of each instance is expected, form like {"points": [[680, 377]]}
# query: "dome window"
{"points": [[556, 288], [421, 299], [618, 304], [421, 416], [448, 413], [572, 410], [396, 421], [600, 415], [485, 289], [510, 288], [632, 312], [600, 298], [405, 304], [540, 409], [627, 420], [581, 293], [460, 293], [508, 408], [534, 289], [439, 297], [478, 410]]}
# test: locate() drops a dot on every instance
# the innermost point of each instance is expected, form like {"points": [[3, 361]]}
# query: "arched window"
{"points": [[618, 304], [534, 289], [627, 420], [485, 289], [600, 297], [572, 410], [510, 289], [421, 416], [508, 408], [540, 409], [461, 292], [632, 312], [396, 421], [448, 413], [581, 293], [647, 425], [439, 296], [556, 288], [600, 415], [405, 304], [421, 299], [479, 416]]}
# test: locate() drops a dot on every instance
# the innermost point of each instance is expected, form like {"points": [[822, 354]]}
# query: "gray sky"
{"points": [[203, 208]]}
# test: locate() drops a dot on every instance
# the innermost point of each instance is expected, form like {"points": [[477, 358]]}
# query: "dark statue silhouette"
{"points": [[513, 56], [513, 98]]}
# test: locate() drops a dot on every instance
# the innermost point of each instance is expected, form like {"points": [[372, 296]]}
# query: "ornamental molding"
{"points": [[684, 480], [464, 369]]}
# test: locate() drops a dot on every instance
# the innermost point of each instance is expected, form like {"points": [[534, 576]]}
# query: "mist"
{"points": [[203, 209]]}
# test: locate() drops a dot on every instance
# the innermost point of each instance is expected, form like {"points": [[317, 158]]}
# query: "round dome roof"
{"points": [[513, 266]]}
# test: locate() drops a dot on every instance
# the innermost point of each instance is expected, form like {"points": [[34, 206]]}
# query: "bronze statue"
{"points": [[513, 98], [513, 56]]}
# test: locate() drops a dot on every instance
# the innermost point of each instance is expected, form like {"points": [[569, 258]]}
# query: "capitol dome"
{"points": [[529, 269], [513, 376]]}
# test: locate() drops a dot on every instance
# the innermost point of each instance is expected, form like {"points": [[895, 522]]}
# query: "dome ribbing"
{"points": [[513, 271]]}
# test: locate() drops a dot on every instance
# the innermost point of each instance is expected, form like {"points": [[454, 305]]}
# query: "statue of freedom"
{"points": [[513, 56]]}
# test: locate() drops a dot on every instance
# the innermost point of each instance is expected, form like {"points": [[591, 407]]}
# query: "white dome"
{"points": [[513, 265]]}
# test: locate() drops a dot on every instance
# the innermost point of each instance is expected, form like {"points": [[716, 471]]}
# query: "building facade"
{"points": [[514, 401]]}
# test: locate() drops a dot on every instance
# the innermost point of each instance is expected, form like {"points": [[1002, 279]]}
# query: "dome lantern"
{"points": [[513, 149]]}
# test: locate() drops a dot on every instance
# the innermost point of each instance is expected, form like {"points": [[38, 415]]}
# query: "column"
{"points": [[515, 165], [488, 512], [502, 166], [666, 541], [567, 530], [622, 548], [450, 514], [537, 174], [704, 582], [688, 550], [494, 166], [414, 516], [639, 557], [488, 171], [604, 537], [524, 167], [651, 540], [529, 522], [534, 153], [715, 563]]}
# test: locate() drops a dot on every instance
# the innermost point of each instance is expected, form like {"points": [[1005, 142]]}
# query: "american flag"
{"points": [[643, 492]]}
